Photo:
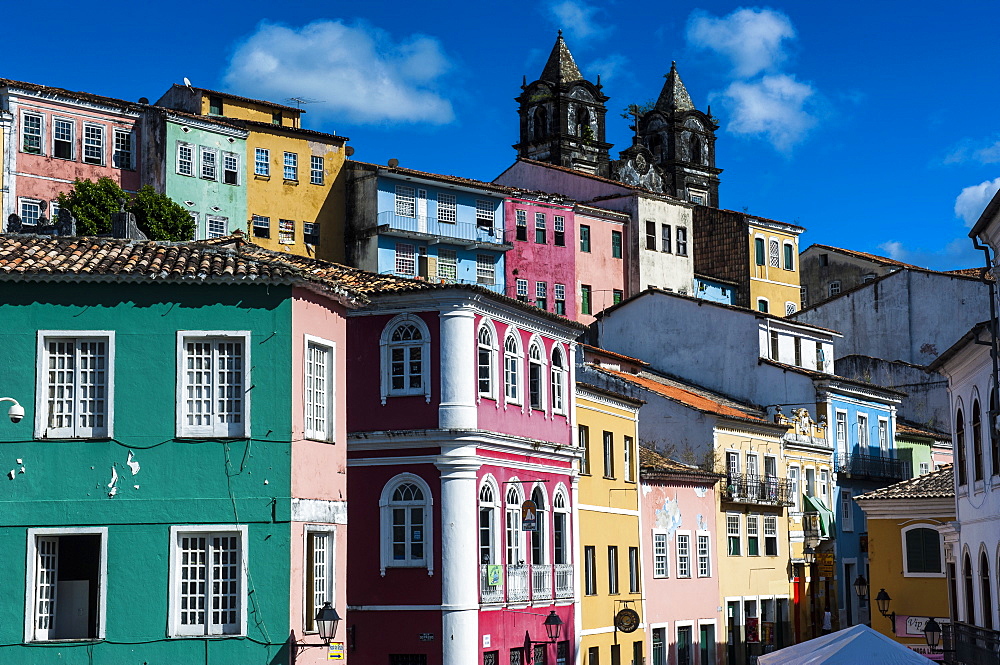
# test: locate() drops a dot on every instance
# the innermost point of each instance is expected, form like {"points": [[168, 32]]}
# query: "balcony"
{"points": [[875, 467], [526, 583], [471, 236], [751, 488], [974, 645]]}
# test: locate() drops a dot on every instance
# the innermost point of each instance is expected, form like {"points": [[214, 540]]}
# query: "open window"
{"points": [[66, 584]]}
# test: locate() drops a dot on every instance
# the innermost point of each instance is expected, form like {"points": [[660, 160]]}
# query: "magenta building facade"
{"points": [[540, 266], [58, 136], [460, 410]]}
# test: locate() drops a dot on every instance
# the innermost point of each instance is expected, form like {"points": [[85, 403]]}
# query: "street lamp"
{"points": [[932, 633], [809, 555], [327, 621], [553, 626], [882, 600], [861, 587]]}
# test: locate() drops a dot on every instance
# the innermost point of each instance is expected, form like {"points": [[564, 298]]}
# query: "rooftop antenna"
{"points": [[300, 101]]}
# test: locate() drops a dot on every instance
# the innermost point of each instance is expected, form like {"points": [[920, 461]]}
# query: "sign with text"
{"points": [[529, 516], [913, 626], [824, 564], [336, 651]]}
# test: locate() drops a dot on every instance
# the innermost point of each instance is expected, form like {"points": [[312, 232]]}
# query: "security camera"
{"points": [[16, 412]]}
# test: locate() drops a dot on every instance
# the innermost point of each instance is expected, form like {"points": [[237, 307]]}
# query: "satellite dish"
{"points": [[349, 150], [393, 163], [187, 82]]}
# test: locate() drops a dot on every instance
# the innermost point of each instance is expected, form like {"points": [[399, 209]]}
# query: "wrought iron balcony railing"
{"points": [[873, 466], [431, 226], [974, 645], [524, 583], [751, 488]]}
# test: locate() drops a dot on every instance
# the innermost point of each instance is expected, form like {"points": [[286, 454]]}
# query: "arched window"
{"points": [[512, 524], [539, 552], [512, 369], [560, 528], [407, 523], [922, 551], [970, 601], [977, 441], [540, 123], [487, 363], [536, 377], [405, 348], [558, 381], [487, 523], [656, 147], [583, 123], [984, 586], [994, 439], [696, 149], [960, 447]]}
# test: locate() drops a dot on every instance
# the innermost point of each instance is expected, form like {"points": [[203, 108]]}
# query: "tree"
{"points": [[94, 203]]}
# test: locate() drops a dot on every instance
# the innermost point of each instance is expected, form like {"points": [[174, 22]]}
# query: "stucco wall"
{"points": [[546, 262], [598, 267]]}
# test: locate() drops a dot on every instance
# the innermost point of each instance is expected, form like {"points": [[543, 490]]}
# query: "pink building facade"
{"points": [[319, 468], [602, 255], [58, 136], [540, 266], [460, 410], [678, 508]]}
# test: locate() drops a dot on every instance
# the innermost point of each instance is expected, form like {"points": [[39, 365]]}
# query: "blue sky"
{"points": [[873, 124]]}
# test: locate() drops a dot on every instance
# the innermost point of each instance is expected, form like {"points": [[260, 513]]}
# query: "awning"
{"points": [[814, 505], [857, 645]]}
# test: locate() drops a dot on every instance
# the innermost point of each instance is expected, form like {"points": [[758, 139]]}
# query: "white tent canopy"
{"points": [[857, 645]]}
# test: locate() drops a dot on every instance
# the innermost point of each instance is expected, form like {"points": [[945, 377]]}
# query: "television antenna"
{"points": [[301, 101]]}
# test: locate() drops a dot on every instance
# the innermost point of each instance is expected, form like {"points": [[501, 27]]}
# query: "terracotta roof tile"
{"points": [[912, 429], [698, 399], [612, 354], [938, 484], [468, 182], [86, 96], [652, 463]]}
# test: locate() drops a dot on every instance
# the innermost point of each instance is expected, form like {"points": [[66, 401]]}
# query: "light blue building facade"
{"points": [[425, 226]]}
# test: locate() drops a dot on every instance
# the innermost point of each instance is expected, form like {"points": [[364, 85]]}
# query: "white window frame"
{"points": [[447, 264], [234, 159], [693, 644], [37, 203], [661, 556], [773, 521], [286, 231], [216, 219], [215, 430], [208, 163], [864, 441], [513, 368], [767, 307], [561, 506], [40, 134], [72, 137], [317, 169], [386, 345], [486, 212], [491, 349], [834, 288], [932, 527], [794, 476], [494, 507], [447, 208], [486, 269], [102, 146], [884, 442], [404, 254], [385, 520], [704, 554], [840, 419], [734, 518], [31, 559], [628, 446], [42, 430], [405, 201], [330, 562], [123, 137], [290, 165], [754, 519], [790, 308], [190, 161], [262, 162], [174, 626], [521, 288], [512, 524], [847, 510], [537, 357], [557, 379], [824, 486], [682, 547], [681, 241], [328, 432]]}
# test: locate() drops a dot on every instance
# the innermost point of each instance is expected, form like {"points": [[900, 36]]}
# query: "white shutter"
{"points": [[77, 387], [317, 391], [194, 585], [209, 593], [46, 570], [229, 388], [225, 584], [213, 400]]}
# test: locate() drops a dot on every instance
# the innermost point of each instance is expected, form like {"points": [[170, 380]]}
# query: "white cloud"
{"points": [[609, 67], [751, 38], [967, 151], [577, 19], [969, 205], [360, 72], [956, 254], [774, 108]]}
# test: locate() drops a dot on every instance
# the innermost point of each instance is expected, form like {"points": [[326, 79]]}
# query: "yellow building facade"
{"points": [[774, 266], [608, 509], [907, 523], [752, 529], [295, 190]]}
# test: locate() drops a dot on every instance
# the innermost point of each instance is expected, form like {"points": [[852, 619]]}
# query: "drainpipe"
{"points": [[994, 354]]}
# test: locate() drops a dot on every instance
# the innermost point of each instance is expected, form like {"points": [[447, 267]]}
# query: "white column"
{"points": [[578, 560], [458, 370], [459, 556]]}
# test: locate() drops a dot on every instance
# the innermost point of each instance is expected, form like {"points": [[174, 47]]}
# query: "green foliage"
{"points": [[632, 111], [160, 217], [157, 215]]}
